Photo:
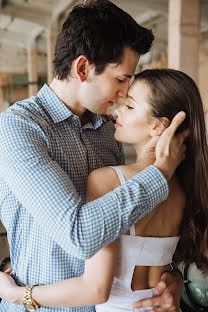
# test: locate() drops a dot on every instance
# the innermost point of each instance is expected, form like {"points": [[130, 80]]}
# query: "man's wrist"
{"points": [[164, 171]]}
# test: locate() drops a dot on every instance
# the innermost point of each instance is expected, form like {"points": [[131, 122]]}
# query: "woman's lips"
{"points": [[117, 124]]}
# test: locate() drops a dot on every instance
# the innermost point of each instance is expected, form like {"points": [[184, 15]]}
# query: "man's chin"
{"points": [[98, 110], [102, 112]]}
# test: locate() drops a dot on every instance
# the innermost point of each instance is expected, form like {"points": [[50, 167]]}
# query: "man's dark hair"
{"points": [[99, 30]]}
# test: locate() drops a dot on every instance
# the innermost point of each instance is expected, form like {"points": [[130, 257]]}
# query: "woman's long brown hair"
{"points": [[174, 91]]}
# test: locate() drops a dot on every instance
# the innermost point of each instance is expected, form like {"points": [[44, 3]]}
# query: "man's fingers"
{"points": [[155, 310], [151, 302], [160, 287], [153, 141], [184, 135], [164, 302], [167, 278], [158, 309], [176, 122]]}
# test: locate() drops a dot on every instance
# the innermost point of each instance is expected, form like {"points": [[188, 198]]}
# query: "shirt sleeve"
{"points": [[46, 191]]}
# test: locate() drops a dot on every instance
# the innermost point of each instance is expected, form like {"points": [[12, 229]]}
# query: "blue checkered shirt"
{"points": [[45, 158]]}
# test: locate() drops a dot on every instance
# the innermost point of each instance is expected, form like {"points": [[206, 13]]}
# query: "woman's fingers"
{"points": [[9, 272]]}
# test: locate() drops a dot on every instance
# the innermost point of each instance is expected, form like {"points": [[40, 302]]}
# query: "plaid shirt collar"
{"points": [[59, 112]]}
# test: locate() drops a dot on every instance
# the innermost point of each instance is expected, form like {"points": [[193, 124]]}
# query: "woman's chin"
{"points": [[120, 139], [116, 137]]}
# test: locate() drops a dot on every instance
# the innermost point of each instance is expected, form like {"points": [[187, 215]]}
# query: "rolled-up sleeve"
{"points": [[46, 191]]}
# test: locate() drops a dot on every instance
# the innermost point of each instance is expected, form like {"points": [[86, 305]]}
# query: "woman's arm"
{"points": [[93, 287]]}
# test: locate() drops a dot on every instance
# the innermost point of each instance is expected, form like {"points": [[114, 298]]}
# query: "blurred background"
{"points": [[28, 31]]}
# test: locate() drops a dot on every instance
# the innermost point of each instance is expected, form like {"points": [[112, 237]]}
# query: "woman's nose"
{"points": [[119, 108]]}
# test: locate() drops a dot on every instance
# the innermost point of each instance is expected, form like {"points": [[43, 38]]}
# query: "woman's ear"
{"points": [[159, 125], [81, 68]]}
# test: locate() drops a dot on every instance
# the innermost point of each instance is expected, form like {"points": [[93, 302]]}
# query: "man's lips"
{"points": [[111, 103]]}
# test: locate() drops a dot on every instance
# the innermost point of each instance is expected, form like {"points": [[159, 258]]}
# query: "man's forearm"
{"points": [[46, 191]]}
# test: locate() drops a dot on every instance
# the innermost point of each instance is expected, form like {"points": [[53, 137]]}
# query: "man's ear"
{"points": [[159, 125], [81, 68]]}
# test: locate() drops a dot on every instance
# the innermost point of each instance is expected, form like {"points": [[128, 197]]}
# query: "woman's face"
{"points": [[134, 122]]}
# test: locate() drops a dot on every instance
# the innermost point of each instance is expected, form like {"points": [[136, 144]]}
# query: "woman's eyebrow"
{"points": [[131, 97]]}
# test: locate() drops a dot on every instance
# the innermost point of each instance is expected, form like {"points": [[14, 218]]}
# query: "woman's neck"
{"points": [[145, 155]]}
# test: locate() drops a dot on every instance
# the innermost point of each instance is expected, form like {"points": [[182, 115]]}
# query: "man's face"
{"points": [[100, 91]]}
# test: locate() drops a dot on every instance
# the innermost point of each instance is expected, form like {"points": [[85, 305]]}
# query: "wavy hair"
{"points": [[173, 91]]}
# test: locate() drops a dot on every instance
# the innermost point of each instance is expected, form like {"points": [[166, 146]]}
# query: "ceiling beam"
{"points": [[28, 14], [62, 6], [148, 17], [158, 6], [17, 39], [20, 39]]}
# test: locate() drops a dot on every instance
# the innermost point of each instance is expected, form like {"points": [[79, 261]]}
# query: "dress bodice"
{"points": [[136, 251], [141, 251]]}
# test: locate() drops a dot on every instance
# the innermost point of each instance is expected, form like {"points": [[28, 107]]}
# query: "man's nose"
{"points": [[123, 91]]}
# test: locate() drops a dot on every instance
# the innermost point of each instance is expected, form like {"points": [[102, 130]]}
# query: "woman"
{"points": [[129, 268]]}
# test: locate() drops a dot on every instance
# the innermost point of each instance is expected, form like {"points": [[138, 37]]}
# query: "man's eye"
{"points": [[129, 107], [121, 81]]}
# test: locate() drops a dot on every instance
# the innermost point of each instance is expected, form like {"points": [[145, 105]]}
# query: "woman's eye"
{"points": [[129, 107]]}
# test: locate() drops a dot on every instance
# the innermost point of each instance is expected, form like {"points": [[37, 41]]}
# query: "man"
{"points": [[50, 143]]}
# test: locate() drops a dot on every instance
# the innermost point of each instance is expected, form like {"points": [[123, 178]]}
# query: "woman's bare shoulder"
{"points": [[100, 182]]}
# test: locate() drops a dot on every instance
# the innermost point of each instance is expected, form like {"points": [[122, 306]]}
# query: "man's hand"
{"points": [[168, 292], [170, 149]]}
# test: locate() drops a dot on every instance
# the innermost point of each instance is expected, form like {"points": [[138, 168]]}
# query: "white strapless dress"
{"points": [[136, 251]]}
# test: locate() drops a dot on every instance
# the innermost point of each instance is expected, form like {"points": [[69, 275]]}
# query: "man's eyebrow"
{"points": [[128, 76]]}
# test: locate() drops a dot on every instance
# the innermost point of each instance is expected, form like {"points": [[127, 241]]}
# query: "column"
{"points": [[51, 35], [1, 99], [32, 70], [184, 36]]}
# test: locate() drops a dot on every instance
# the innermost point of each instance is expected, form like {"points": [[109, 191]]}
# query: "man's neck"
{"points": [[66, 91]]}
